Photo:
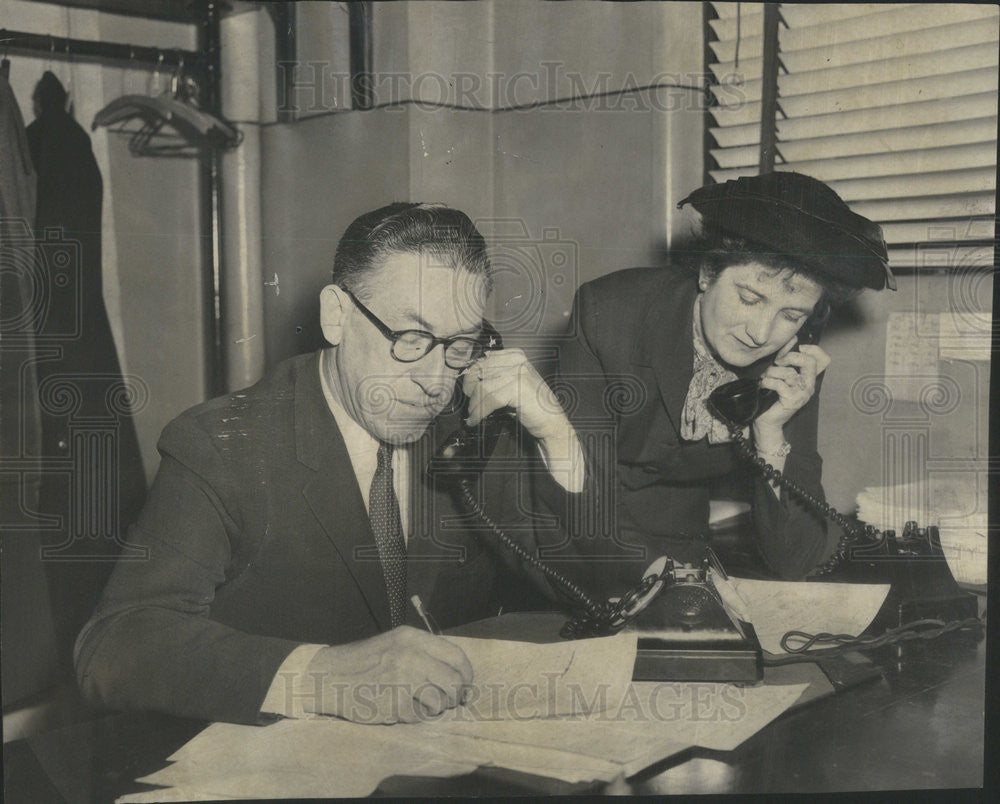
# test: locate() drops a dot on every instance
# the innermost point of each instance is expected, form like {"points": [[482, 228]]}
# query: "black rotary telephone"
{"points": [[923, 587], [686, 632]]}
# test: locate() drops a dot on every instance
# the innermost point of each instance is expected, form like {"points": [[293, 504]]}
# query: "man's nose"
{"points": [[433, 374]]}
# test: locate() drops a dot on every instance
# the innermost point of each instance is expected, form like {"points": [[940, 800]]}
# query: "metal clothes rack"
{"points": [[63, 47], [206, 62]]}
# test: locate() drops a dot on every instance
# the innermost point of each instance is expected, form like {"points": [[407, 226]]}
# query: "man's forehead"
{"points": [[426, 288]]}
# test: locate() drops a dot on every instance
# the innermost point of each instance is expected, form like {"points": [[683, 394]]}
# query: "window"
{"points": [[894, 106]]}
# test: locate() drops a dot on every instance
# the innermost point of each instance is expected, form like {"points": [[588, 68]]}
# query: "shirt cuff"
{"points": [[291, 687], [569, 471]]}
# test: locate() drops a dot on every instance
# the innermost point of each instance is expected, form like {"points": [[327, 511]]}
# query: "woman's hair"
{"points": [[718, 251]]}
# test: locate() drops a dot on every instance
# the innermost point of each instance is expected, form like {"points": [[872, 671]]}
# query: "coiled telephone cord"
{"points": [[853, 530], [595, 619]]}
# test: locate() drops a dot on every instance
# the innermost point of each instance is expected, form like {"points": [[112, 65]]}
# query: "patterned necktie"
{"points": [[383, 510]]}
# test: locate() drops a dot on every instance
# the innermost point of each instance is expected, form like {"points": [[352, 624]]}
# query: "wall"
{"points": [[151, 245], [859, 431], [318, 175], [600, 179]]}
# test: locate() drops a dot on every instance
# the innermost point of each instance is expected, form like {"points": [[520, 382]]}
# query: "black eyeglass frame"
{"points": [[431, 339]]}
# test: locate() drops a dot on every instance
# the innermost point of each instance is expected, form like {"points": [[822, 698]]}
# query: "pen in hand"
{"points": [[423, 614], [432, 627]]}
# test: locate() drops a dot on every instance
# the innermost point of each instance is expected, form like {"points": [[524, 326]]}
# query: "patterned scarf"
{"points": [[709, 374]]}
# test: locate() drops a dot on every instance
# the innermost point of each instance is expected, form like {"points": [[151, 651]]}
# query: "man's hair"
{"points": [[432, 230]]}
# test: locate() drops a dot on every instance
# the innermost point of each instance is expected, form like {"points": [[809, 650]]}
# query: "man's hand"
{"points": [[506, 378], [404, 675]]}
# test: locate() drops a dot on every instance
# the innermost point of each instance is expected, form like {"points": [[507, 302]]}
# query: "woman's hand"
{"points": [[793, 376]]}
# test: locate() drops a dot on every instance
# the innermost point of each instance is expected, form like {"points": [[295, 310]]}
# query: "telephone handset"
{"points": [[741, 401], [467, 448]]}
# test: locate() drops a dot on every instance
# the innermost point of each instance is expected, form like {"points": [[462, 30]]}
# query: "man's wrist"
{"points": [[563, 457]]}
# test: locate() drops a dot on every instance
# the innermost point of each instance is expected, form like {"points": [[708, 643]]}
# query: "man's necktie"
{"points": [[383, 510]]}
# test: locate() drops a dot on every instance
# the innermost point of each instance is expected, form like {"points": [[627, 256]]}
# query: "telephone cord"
{"points": [[847, 643], [852, 530], [596, 619]]}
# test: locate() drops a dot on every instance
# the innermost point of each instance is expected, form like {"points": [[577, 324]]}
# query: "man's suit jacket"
{"points": [[258, 540], [625, 373]]}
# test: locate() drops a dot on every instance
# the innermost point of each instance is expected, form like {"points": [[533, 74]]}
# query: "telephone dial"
{"points": [[686, 632]]}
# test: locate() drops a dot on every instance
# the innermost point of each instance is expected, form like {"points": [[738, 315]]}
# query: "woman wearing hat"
{"points": [[650, 345]]}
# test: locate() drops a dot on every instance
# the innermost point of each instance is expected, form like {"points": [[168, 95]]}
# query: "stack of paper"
{"points": [[954, 501], [565, 711]]}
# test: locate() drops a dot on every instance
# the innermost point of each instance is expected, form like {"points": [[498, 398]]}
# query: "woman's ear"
{"points": [[703, 279], [332, 310]]}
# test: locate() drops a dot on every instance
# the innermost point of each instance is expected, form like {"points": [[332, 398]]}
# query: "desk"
{"points": [[921, 726]]}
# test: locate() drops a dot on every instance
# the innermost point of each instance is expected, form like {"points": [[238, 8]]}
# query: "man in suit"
{"points": [[290, 524]]}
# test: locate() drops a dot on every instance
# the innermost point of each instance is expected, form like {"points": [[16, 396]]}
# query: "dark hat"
{"points": [[800, 217]]}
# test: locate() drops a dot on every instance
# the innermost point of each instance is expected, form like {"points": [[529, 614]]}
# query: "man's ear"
{"points": [[332, 310]]}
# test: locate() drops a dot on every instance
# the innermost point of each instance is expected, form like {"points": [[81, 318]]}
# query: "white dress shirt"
{"points": [[362, 448]]}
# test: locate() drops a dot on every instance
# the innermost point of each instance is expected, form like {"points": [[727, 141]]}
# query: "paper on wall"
{"points": [[911, 354], [965, 336]]}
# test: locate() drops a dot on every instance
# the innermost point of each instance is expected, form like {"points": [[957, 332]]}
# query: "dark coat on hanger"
{"points": [[93, 480]]}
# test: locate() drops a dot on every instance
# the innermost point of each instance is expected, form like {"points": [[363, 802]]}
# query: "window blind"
{"points": [[894, 106]]}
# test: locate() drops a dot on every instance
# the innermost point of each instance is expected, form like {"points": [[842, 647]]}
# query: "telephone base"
{"points": [[897, 611], [660, 658], [687, 633]]}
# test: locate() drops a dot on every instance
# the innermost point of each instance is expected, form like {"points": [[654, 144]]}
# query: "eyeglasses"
{"points": [[409, 345]]}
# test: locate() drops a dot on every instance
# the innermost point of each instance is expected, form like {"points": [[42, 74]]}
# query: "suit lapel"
{"points": [[665, 344], [333, 494]]}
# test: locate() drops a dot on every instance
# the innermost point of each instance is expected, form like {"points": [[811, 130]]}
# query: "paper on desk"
{"points": [[654, 720], [330, 757], [776, 607], [298, 759], [529, 680]]}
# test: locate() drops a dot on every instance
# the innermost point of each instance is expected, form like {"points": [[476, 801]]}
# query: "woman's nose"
{"points": [[759, 328]]}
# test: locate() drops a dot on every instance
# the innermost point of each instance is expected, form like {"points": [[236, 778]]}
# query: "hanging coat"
{"points": [[87, 423]]}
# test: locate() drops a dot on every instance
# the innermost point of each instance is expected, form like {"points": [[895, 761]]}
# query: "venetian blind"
{"points": [[894, 106]]}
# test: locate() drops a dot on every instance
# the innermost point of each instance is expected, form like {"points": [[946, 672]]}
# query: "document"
{"points": [[777, 607], [518, 680], [565, 710], [326, 757]]}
